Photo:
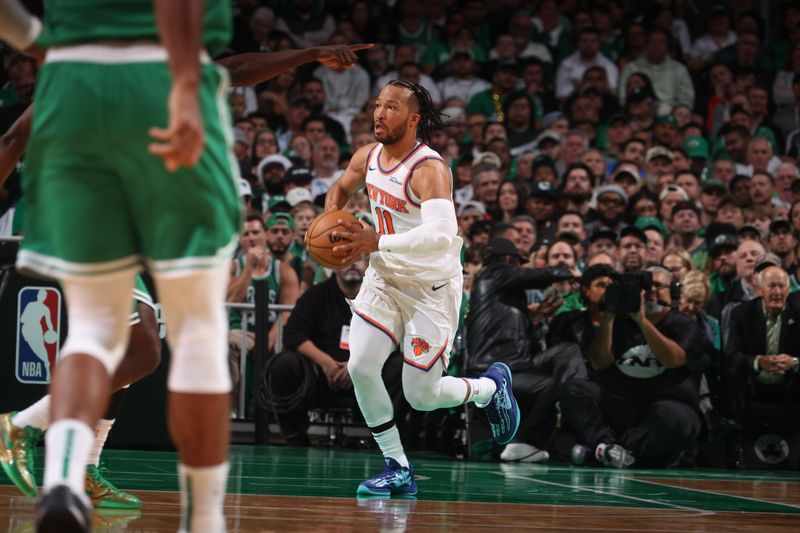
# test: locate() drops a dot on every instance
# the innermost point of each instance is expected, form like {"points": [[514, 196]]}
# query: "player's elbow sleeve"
{"points": [[436, 233]]}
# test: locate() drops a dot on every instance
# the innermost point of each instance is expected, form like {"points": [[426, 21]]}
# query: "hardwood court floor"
{"points": [[290, 489]]}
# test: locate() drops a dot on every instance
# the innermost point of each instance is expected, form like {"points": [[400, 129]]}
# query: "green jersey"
{"points": [[299, 255], [273, 277], [68, 22]]}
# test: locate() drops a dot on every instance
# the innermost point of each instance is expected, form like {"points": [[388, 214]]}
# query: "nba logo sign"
{"points": [[38, 327]]}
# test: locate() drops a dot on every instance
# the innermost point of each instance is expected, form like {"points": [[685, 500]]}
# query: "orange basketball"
{"points": [[321, 241]]}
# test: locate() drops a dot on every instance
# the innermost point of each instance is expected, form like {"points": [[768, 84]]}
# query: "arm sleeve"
{"points": [[436, 233], [17, 26], [533, 278]]}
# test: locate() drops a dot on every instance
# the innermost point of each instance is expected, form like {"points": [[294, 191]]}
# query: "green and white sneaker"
{"points": [[104, 494]]}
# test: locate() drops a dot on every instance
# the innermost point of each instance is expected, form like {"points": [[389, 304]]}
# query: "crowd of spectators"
{"points": [[595, 138]]}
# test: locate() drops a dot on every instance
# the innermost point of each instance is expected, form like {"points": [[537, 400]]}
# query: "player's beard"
{"points": [[277, 249], [390, 137]]}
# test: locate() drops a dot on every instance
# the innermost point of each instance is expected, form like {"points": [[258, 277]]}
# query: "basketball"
{"points": [[50, 336], [319, 237]]}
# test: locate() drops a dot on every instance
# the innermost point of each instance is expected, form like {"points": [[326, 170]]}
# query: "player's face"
{"points": [[393, 116]]}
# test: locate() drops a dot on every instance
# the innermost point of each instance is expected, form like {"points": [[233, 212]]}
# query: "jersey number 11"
{"points": [[384, 220]]}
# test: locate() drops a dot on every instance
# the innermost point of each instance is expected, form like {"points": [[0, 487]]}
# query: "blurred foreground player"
{"points": [[100, 206], [412, 290]]}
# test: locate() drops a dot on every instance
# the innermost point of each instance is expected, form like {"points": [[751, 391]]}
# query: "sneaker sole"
{"points": [[16, 479], [366, 491], [65, 515], [516, 405], [104, 504], [363, 490]]}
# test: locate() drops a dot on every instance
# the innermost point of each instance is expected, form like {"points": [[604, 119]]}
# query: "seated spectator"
{"points": [[763, 346], [632, 249], [677, 262], [686, 229], [782, 241], [671, 80], [695, 293], [640, 403], [257, 262], [499, 329], [609, 212], [722, 259], [462, 82], [312, 372], [571, 70]]}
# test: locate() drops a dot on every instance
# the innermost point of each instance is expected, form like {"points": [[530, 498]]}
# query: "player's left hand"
{"points": [[359, 239], [340, 56], [182, 143]]}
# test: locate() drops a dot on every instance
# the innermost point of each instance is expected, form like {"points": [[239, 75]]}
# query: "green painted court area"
{"points": [[324, 472]]}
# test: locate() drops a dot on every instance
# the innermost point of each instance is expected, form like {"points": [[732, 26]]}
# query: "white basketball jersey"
{"points": [[396, 209]]}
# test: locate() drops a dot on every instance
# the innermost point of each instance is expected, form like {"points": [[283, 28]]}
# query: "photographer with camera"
{"points": [[640, 403]]}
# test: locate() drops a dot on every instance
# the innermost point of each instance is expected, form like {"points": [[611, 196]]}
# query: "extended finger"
{"points": [[162, 134], [357, 47]]}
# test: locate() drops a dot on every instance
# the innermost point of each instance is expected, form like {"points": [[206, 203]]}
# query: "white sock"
{"points": [[36, 415], [482, 390], [68, 442], [203, 493], [100, 436], [390, 445]]}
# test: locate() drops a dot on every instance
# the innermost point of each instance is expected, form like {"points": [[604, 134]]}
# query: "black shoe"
{"points": [[62, 511]]}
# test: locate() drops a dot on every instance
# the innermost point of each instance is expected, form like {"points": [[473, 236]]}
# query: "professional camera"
{"points": [[624, 295]]}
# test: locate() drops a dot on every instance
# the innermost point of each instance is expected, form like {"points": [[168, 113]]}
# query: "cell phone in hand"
{"points": [[550, 293]]}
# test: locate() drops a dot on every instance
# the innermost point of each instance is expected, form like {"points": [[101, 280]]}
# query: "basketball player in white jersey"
{"points": [[411, 292]]}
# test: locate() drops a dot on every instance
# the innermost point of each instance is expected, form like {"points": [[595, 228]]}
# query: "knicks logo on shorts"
{"points": [[38, 333], [420, 346]]}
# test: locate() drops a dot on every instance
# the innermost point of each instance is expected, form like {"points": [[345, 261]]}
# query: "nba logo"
{"points": [[38, 328]]}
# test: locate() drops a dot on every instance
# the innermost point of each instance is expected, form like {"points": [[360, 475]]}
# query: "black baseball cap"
{"points": [[633, 231], [779, 223], [543, 188], [749, 229], [603, 233], [500, 247], [298, 175], [594, 272]]}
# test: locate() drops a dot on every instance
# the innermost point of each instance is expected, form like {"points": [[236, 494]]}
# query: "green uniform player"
{"points": [[130, 164]]}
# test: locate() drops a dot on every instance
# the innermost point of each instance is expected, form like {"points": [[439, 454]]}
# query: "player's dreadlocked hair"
{"points": [[430, 119]]}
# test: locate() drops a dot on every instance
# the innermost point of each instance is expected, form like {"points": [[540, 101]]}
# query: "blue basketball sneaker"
{"points": [[394, 480], [502, 410]]}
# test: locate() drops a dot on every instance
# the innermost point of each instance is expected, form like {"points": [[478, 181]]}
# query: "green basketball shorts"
{"points": [[97, 201]]}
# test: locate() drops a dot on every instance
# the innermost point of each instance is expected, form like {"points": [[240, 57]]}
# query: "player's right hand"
{"points": [[181, 143], [340, 56]]}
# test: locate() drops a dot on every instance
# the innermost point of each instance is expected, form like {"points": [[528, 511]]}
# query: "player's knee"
{"points": [[359, 370], [200, 358], [420, 398], [95, 340]]}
